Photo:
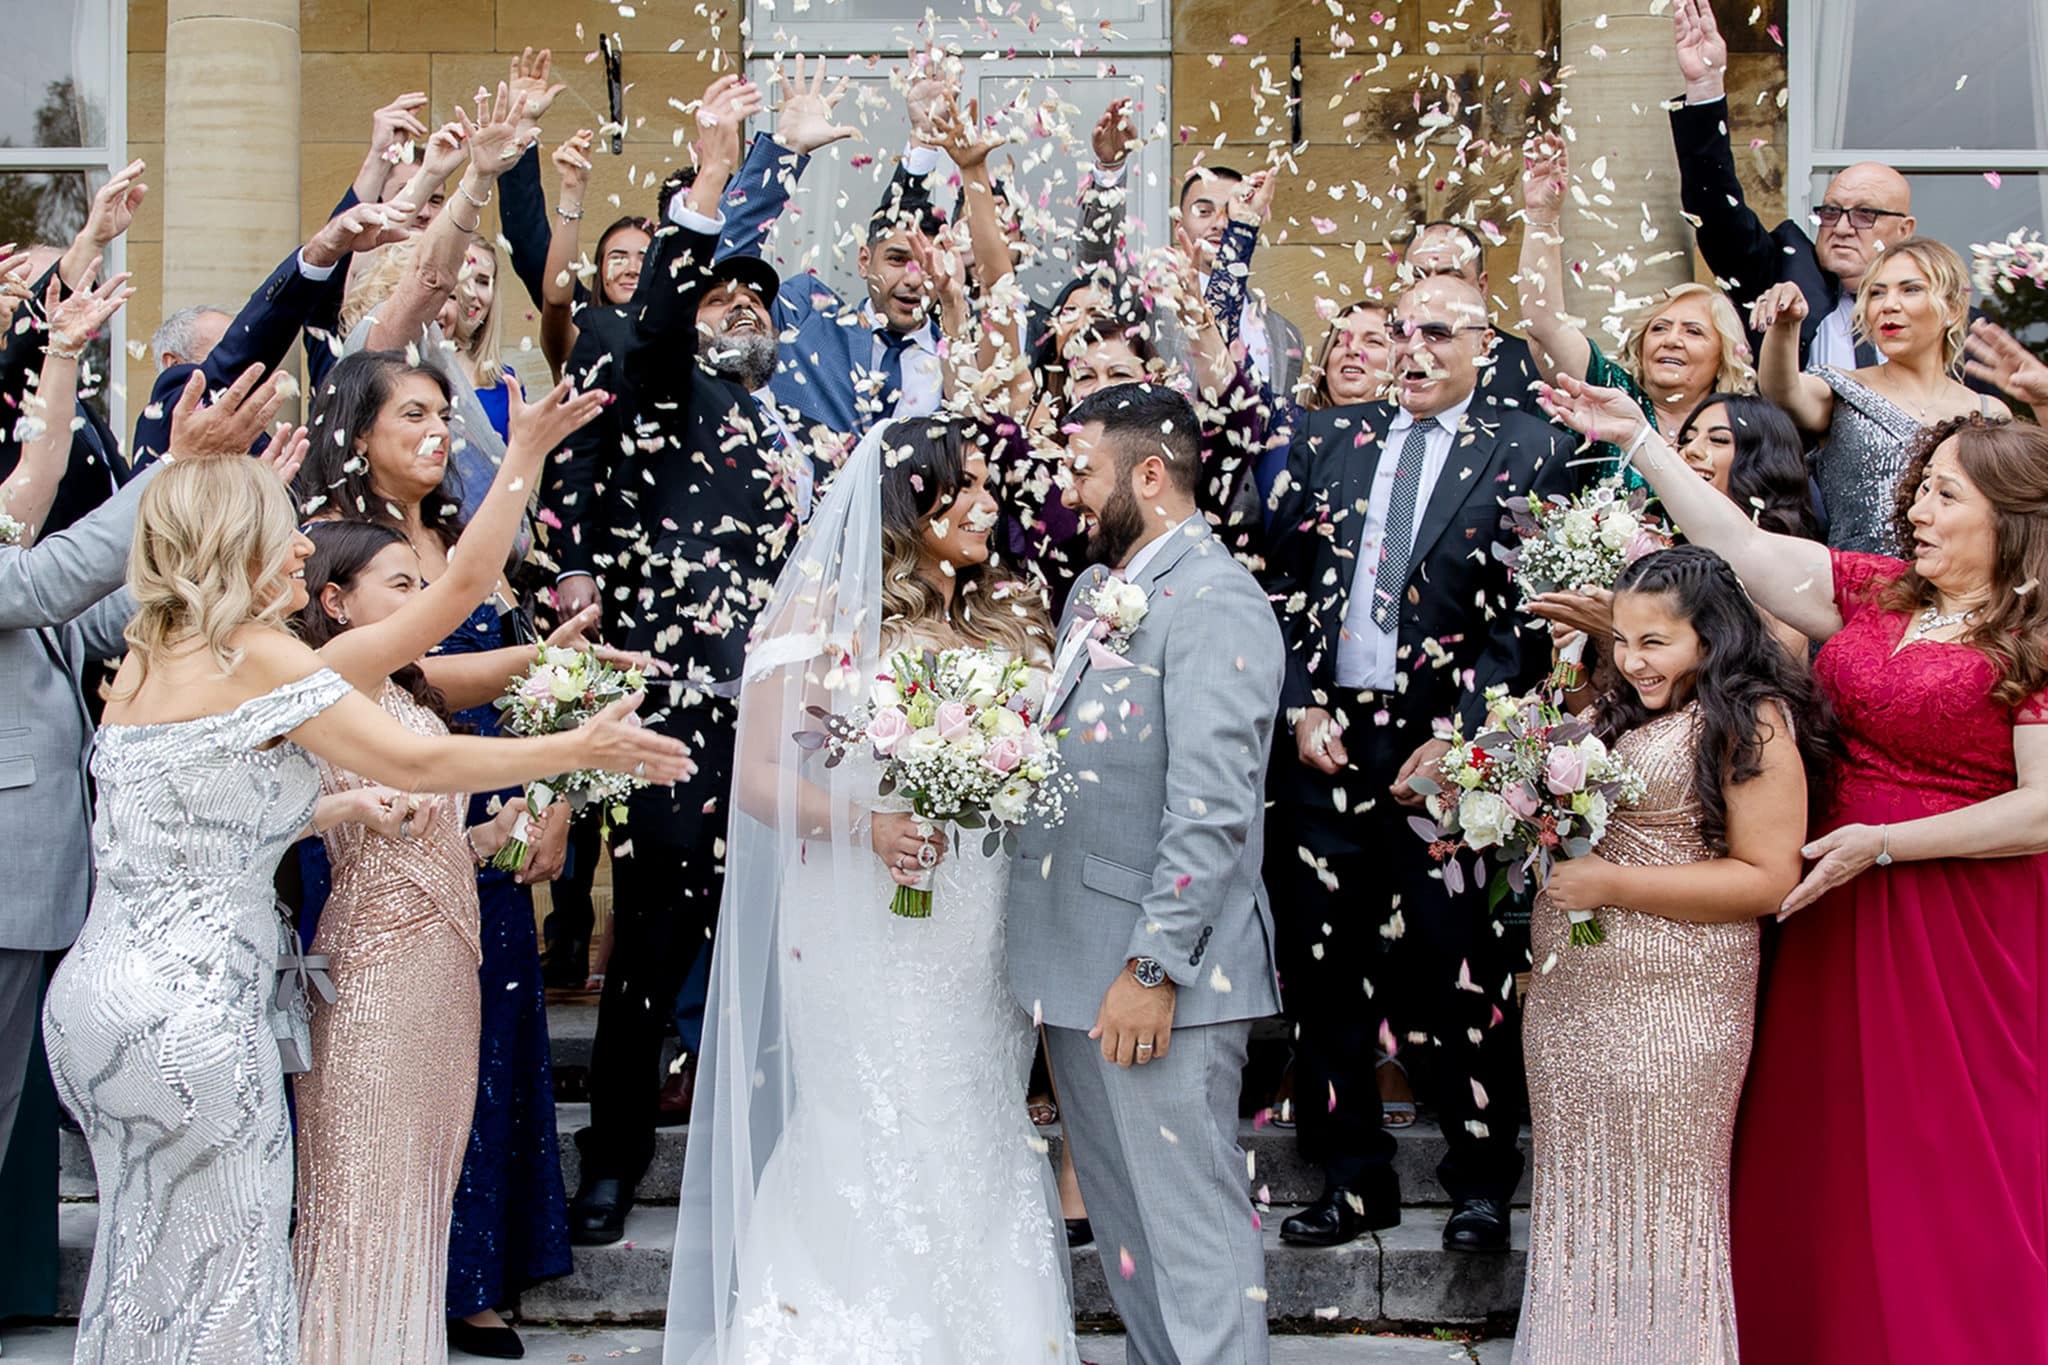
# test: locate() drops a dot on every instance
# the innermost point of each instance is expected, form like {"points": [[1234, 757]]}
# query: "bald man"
{"points": [[1866, 207]]}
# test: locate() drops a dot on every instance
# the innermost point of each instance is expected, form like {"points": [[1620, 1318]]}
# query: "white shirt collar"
{"points": [[1151, 548], [1450, 418], [925, 338]]}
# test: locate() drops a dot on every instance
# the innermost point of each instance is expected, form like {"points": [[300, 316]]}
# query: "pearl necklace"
{"points": [[1934, 619]]}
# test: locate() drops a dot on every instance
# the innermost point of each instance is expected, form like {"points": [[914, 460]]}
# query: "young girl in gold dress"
{"points": [[1636, 1047]]}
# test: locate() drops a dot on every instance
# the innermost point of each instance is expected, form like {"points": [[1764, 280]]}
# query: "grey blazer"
{"points": [[1160, 850], [61, 604]]}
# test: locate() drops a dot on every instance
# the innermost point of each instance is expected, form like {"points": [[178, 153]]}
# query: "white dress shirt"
{"points": [[1367, 657], [1835, 343], [921, 366]]}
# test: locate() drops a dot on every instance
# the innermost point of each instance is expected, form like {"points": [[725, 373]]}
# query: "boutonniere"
{"points": [[1116, 605]]}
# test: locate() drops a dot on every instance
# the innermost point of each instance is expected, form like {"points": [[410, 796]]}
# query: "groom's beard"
{"points": [[1118, 526], [746, 358]]}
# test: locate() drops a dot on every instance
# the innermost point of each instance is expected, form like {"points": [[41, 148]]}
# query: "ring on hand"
{"points": [[640, 768], [927, 857], [405, 826], [1145, 1047]]}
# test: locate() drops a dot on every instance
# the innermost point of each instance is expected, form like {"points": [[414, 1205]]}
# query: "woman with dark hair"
{"points": [[620, 249], [383, 1120], [1636, 1048], [1890, 1186]]}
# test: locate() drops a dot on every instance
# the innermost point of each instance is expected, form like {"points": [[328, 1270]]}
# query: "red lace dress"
{"points": [[1890, 1197]]}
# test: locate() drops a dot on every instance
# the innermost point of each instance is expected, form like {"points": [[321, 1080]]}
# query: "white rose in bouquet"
{"points": [[1485, 818], [1580, 526], [1012, 801], [1002, 723], [922, 744], [1619, 529], [983, 677]]}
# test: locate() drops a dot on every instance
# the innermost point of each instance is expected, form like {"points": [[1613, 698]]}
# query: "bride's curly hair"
{"points": [[924, 467]]}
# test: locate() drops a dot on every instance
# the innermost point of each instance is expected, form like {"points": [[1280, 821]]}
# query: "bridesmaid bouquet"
{"points": [[1581, 541], [1536, 786], [955, 738], [560, 690]]}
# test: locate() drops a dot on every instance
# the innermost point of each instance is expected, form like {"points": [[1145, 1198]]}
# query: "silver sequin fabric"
{"points": [[1869, 441], [1636, 1051], [159, 1043]]}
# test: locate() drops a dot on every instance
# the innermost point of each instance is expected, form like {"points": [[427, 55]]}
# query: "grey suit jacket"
{"points": [[1160, 850], [61, 604]]}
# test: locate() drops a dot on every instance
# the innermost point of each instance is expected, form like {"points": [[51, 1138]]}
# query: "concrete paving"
{"points": [[51, 1345]]}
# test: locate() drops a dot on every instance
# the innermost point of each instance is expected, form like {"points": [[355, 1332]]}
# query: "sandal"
{"points": [[1044, 1113]]}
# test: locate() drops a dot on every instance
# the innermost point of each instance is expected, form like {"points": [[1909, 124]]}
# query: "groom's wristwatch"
{"points": [[1147, 972]]}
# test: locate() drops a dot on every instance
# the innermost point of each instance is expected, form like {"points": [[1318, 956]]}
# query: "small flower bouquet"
{"points": [[1582, 541], [560, 690], [12, 532], [1536, 786], [2002, 267], [956, 740]]}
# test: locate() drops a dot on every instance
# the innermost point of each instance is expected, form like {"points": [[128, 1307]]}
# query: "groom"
{"points": [[1138, 929]]}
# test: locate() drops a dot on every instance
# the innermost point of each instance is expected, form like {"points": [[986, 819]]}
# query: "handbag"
{"points": [[301, 976]]}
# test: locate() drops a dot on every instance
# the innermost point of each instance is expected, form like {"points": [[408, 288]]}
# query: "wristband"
{"points": [[1649, 430], [482, 203], [566, 216], [64, 353], [469, 837]]}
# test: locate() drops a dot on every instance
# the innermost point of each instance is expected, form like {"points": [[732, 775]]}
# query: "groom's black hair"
{"points": [[1145, 420]]}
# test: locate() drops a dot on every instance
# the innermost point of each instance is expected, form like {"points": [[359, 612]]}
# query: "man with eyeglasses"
{"points": [[1866, 207], [1444, 247], [1398, 618]]}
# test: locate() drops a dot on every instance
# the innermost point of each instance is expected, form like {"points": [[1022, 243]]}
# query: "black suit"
{"points": [[1344, 968], [94, 471], [698, 529], [1745, 257]]}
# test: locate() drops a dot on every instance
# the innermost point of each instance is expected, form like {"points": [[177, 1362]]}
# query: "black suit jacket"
{"points": [[94, 470], [1459, 617]]}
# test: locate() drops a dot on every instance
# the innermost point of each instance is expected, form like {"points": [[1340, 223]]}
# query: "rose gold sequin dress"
{"points": [[384, 1115], [1636, 1051]]}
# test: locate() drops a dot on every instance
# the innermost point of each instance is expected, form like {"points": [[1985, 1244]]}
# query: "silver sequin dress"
{"points": [[158, 1039], [1869, 441], [1636, 1051]]}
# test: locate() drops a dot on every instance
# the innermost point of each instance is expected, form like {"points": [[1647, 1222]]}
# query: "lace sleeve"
{"points": [[1859, 578]]}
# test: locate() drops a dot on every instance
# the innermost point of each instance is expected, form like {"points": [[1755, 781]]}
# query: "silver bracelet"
{"points": [[567, 216], [482, 203]]}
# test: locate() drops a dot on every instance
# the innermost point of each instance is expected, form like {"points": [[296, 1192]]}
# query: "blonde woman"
{"points": [[1678, 348], [156, 1023], [1915, 309]]}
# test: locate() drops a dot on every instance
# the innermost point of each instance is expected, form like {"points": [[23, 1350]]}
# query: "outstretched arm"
{"points": [[557, 278], [28, 492], [1737, 246], [1556, 342], [1806, 398]]}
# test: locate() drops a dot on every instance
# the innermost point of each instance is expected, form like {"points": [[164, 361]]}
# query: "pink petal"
{"points": [[1124, 1264], [1994, 179]]}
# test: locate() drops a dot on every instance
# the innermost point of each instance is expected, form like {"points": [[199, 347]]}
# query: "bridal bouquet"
{"points": [[1536, 786], [560, 690], [955, 739], [1581, 541], [2002, 267]]}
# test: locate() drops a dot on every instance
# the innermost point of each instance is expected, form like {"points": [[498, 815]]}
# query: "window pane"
{"points": [[1963, 210], [1884, 77], [53, 87]]}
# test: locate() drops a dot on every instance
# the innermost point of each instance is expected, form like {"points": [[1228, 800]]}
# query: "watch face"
{"points": [[1148, 972]]}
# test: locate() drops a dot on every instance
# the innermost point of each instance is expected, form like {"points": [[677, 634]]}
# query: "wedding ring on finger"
{"points": [[640, 768], [405, 826]]}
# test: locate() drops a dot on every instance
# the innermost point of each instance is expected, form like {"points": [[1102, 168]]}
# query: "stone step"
{"points": [[1399, 1277], [1277, 1166]]}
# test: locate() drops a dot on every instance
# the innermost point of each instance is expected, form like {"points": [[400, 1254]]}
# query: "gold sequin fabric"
{"points": [[1636, 1050], [158, 1040], [384, 1115]]}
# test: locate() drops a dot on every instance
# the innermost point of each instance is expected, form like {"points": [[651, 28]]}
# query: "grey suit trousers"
{"points": [[21, 977], [1156, 1150]]}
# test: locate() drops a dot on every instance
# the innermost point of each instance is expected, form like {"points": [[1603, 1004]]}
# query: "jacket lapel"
{"points": [[1359, 448], [1468, 472], [1087, 583]]}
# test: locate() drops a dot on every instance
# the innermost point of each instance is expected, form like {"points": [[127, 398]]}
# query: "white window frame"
{"points": [[99, 165], [820, 27], [1805, 64]]}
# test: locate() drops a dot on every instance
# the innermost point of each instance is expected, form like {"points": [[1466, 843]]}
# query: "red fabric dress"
{"points": [[1890, 1198]]}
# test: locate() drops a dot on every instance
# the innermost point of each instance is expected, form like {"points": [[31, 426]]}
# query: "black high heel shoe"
{"points": [[1080, 1233], [492, 1343]]}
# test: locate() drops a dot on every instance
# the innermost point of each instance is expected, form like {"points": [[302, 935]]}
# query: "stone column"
{"points": [[230, 177], [1622, 68]]}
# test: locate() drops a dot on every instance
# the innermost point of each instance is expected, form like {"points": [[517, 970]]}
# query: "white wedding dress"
{"points": [[906, 1215]]}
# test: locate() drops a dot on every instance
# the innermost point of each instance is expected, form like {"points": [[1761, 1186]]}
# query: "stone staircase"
{"points": [[1401, 1277]]}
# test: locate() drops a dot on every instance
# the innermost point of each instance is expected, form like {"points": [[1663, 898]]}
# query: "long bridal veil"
{"points": [[816, 645]]}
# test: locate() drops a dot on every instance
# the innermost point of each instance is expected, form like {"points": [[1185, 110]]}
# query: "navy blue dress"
{"points": [[511, 1222]]}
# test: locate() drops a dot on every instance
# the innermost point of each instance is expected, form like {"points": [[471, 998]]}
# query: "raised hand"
{"points": [[359, 229], [539, 428], [1252, 200], [1595, 413], [1782, 305], [495, 138], [803, 122], [1997, 357], [572, 163], [930, 88], [14, 282], [532, 93], [114, 207], [286, 452], [75, 318], [228, 425], [443, 152], [1112, 139], [722, 116], [1546, 172], [1702, 51], [615, 741], [943, 274], [961, 134], [396, 124]]}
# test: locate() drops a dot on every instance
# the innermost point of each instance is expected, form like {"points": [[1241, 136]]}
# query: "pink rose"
{"points": [[1522, 801], [1565, 771], [953, 720], [886, 729], [1004, 755], [1642, 543]]}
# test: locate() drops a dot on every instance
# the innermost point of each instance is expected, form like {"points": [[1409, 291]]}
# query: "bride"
{"points": [[862, 1183]]}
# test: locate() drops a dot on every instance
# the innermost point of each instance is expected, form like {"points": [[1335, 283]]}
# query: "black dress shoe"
{"points": [[1080, 1233], [1477, 1225], [492, 1343], [566, 964], [1339, 1217], [597, 1216]]}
